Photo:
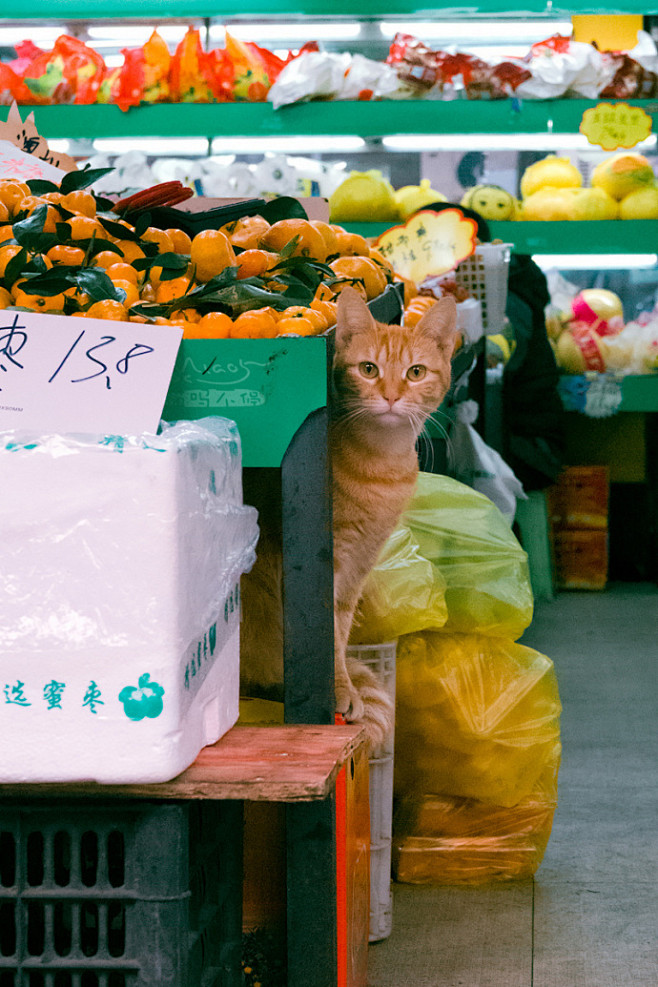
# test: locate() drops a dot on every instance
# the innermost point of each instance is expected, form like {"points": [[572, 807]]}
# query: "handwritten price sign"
{"points": [[429, 243], [83, 375], [615, 125]]}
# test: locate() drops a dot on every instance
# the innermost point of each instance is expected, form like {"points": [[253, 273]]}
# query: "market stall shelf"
{"points": [[155, 874], [370, 118]]}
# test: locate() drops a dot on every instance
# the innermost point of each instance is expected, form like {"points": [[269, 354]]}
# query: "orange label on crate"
{"points": [[429, 243], [615, 125]]}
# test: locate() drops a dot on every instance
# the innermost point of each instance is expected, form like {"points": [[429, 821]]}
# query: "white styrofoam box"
{"points": [[119, 656], [381, 659]]}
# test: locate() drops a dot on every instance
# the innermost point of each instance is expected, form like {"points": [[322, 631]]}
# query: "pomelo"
{"points": [[622, 174], [553, 172], [641, 204]]}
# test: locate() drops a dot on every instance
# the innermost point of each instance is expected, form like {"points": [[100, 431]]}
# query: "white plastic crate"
{"points": [[381, 659], [484, 274], [119, 630]]}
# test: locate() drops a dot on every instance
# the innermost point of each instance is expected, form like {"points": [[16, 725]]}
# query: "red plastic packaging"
{"points": [[70, 73]]}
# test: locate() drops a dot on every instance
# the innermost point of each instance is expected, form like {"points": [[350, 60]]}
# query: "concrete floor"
{"points": [[590, 916]]}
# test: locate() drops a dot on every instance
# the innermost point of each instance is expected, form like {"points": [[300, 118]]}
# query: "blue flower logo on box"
{"points": [[142, 700]]}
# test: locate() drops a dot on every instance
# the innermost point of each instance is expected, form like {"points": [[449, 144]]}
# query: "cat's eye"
{"points": [[417, 372], [368, 370]]}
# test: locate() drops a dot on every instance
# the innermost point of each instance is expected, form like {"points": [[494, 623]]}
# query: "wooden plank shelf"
{"points": [[288, 763]]}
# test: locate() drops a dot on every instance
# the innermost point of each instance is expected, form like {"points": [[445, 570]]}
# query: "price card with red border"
{"points": [[615, 125], [429, 243], [60, 374]]}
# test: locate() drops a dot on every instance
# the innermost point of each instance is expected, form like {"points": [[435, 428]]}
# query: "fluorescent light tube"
{"points": [[586, 262], [449, 31], [155, 146], [496, 142], [302, 32], [287, 145]]}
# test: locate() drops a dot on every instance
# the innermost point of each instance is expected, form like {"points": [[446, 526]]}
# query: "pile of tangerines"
{"points": [[62, 249]]}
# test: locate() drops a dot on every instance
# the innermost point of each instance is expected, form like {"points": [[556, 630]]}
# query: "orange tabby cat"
{"points": [[387, 380]]}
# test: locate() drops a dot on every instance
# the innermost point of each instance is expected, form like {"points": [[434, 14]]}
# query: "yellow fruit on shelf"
{"points": [[593, 203], [490, 201], [641, 204], [551, 172], [411, 198], [623, 173], [549, 204], [363, 197]]}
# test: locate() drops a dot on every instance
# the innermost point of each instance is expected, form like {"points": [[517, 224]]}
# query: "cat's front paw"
{"points": [[348, 701]]}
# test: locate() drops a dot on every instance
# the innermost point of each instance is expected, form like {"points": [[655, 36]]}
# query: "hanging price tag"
{"points": [[63, 374], [615, 125], [429, 243]]}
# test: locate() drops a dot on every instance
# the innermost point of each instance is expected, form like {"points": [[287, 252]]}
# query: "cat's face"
{"points": [[391, 375]]}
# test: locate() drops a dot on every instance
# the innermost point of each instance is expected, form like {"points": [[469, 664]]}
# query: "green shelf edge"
{"points": [[363, 119], [617, 236], [268, 387], [102, 9]]}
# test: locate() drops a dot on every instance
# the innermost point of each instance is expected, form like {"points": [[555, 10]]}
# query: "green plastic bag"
{"points": [[404, 593], [453, 563], [469, 542]]}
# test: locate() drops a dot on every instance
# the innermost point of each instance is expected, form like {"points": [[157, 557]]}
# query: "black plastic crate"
{"points": [[121, 894]]}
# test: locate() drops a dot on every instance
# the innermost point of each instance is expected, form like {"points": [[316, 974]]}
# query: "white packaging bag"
{"points": [[481, 467]]}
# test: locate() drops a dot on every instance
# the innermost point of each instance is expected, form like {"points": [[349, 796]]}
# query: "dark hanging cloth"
{"points": [[534, 432]]}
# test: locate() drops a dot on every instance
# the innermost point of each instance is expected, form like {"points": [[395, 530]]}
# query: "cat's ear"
{"points": [[440, 322], [352, 314]]}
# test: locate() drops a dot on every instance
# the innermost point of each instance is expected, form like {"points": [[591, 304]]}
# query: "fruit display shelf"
{"points": [[369, 119], [104, 9], [614, 236]]}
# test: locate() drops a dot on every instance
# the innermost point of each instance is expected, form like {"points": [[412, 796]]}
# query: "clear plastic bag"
{"points": [[477, 717]]}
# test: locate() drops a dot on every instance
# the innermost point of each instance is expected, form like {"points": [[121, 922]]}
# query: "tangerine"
{"points": [[310, 242], [254, 262], [164, 243], [107, 308], [210, 253], [12, 194], [325, 308], [122, 272], [213, 325], [68, 256], [328, 234], [317, 319], [80, 201], [105, 258], [130, 250], [5, 298], [37, 303], [4, 213], [181, 242], [131, 291], [298, 325], [351, 244], [365, 270], [6, 254], [254, 324], [83, 227], [169, 291], [246, 232], [6, 233]]}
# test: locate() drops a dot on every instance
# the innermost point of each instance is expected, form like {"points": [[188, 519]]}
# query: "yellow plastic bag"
{"points": [[476, 717], [404, 593], [445, 839], [467, 539]]}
